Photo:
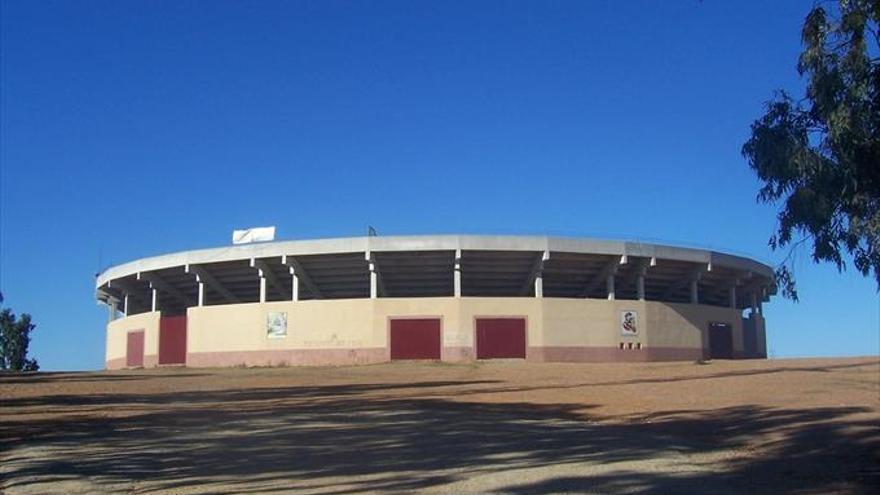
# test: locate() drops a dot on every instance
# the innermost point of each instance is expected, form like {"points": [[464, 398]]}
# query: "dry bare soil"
{"points": [[777, 426]]}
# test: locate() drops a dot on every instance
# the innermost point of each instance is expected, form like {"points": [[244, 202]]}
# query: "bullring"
{"points": [[450, 298]]}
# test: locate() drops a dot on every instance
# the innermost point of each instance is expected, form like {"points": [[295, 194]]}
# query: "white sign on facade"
{"points": [[629, 323], [255, 234], [276, 325]]}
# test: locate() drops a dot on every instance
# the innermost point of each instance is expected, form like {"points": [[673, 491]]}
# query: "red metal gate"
{"points": [[172, 340], [720, 341], [415, 338], [134, 349], [501, 338]]}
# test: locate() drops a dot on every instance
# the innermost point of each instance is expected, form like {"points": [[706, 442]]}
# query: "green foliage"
{"points": [[14, 341], [819, 158]]}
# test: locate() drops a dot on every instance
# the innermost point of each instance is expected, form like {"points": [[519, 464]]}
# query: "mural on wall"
{"points": [[276, 325], [629, 323]]}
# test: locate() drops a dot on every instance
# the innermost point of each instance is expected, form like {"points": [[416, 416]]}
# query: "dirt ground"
{"points": [[776, 426]]}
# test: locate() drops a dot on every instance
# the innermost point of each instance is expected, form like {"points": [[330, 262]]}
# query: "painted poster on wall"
{"points": [[276, 325], [629, 323]]}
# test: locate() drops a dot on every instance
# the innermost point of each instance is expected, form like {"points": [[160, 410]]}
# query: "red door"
{"points": [[134, 349], [501, 338], [720, 341], [415, 339], [172, 340]]}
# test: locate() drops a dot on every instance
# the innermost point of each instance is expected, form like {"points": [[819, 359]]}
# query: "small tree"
{"points": [[15, 338], [820, 156]]}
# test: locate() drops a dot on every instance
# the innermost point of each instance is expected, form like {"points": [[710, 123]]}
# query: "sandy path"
{"points": [[805, 426]]}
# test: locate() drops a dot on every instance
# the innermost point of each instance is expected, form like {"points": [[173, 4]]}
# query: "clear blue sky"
{"points": [[136, 128]]}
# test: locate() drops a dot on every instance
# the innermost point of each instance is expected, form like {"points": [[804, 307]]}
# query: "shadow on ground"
{"points": [[32, 378], [347, 438], [867, 367]]}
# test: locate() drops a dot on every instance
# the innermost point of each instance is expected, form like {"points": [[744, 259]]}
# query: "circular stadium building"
{"points": [[450, 298]]}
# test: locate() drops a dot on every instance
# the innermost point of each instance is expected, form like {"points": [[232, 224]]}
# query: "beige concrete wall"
{"points": [[687, 325], [445, 308], [589, 322], [335, 327], [346, 323], [498, 307], [319, 324], [457, 317], [754, 322], [117, 331], [761, 325]]}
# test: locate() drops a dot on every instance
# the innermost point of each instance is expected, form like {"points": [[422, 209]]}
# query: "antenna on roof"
{"points": [[371, 232]]}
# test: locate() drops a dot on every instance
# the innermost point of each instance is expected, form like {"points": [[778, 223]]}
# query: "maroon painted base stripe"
{"points": [[289, 357], [342, 357]]}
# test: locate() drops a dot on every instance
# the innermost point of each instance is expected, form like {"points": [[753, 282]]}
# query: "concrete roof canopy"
{"points": [[426, 266]]}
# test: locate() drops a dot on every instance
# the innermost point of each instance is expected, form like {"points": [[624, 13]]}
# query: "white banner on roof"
{"points": [[255, 234]]}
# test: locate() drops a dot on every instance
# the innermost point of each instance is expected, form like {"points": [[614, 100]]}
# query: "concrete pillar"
{"points": [[374, 275], [609, 284], [754, 303], [539, 275], [732, 297], [125, 305], [262, 287], [111, 309], [201, 293], [761, 301], [457, 274], [295, 282], [155, 305], [695, 295], [640, 287]]}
